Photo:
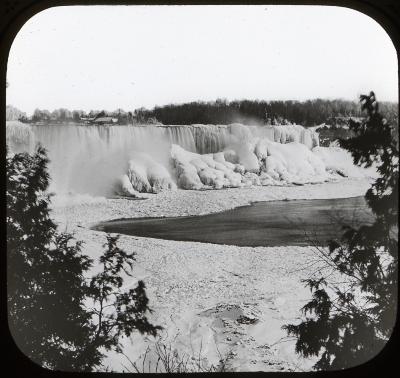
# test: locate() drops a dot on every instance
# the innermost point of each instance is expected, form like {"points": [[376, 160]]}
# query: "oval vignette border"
{"points": [[16, 13]]}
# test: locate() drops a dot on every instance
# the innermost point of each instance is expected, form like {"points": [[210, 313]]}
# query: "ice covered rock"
{"points": [[212, 177], [290, 162], [295, 133], [231, 156], [187, 177], [147, 175], [338, 160], [159, 178], [138, 176], [246, 156], [266, 179], [258, 161], [251, 179], [234, 179], [239, 169], [250, 160], [211, 170], [125, 187], [198, 164], [220, 158]]}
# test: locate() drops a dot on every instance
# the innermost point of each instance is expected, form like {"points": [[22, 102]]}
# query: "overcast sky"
{"points": [[106, 57]]}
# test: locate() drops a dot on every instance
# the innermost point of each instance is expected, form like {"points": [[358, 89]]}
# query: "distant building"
{"points": [[87, 120], [105, 120]]}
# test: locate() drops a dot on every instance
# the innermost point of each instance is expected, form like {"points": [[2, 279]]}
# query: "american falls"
{"points": [[129, 160]]}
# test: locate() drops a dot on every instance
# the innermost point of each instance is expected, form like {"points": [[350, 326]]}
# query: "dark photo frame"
{"points": [[15, 13]]}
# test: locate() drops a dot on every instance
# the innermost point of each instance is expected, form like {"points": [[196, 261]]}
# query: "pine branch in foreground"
{"points": [[57, 317], [348, 323]]}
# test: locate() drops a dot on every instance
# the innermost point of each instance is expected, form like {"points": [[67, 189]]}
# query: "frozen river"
{"points": [[271, 223]]}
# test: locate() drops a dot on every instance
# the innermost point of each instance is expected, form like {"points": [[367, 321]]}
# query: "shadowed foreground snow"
{"points": [[221, 301]]}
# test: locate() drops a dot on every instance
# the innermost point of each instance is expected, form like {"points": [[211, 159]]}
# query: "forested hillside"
{"points": [[307, 113]]}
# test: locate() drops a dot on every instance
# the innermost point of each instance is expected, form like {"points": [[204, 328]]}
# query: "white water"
{"points": [[90, 159]]}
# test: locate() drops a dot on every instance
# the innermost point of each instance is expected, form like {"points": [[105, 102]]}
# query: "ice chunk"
{"points": [[187, 177], [147, 175], [340, 161], [126, 188]]}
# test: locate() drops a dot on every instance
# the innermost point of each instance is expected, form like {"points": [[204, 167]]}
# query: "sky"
{"points": [[109, 57]]}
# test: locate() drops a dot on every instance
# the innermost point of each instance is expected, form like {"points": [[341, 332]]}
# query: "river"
{"points": [[271, 223]]}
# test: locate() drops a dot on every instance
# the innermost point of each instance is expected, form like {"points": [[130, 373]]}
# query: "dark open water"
{"points": [[273, 223]]}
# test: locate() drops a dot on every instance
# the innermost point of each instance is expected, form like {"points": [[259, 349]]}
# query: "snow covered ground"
{"points": [[217, 301]]}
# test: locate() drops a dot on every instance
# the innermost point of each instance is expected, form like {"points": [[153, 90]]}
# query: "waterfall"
{"points": [[89, 158]]}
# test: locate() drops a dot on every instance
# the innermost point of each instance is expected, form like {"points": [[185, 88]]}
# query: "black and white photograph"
{"points": [[201, 188]]}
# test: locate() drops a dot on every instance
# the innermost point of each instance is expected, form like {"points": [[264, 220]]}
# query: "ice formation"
{"points": [[259, 162], [338, 160], [102, 160], [124, 187], [147, 175], [195, 171]]}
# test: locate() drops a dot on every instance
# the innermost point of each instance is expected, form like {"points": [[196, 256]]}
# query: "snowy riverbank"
{"points": [[217, 300]]}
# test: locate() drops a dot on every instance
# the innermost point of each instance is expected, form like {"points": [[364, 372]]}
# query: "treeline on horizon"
{"points": [[63, 115], [306, 113]]}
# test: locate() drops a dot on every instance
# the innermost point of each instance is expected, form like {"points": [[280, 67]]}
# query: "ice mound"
{"points": [[124, 187], [147, 175], [257, 161], [295, 133], [337, 160], [195, 171], [291, 162]]}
